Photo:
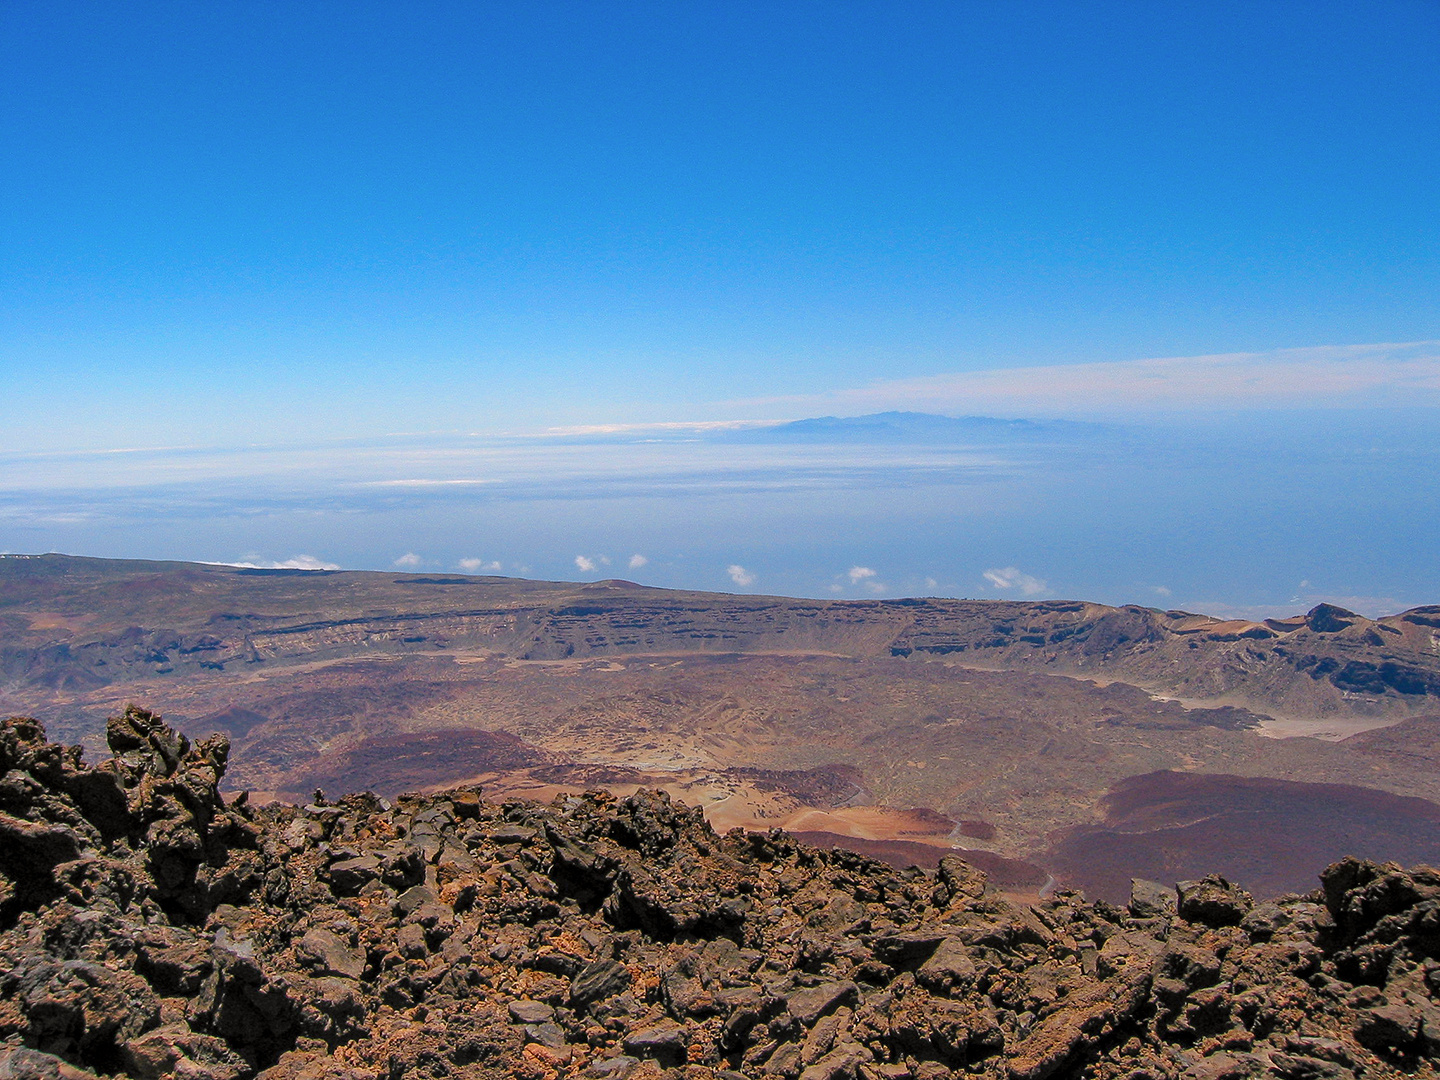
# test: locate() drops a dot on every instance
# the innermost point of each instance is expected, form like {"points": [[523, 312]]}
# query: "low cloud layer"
{"points": [[1225, 513], [299, 562], [1332, 375]]}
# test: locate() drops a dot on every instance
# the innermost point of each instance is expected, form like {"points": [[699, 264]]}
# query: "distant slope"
{"points": [[80, 623]]}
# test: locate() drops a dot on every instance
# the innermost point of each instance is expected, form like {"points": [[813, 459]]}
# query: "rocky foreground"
{"points": [[148, 929]]}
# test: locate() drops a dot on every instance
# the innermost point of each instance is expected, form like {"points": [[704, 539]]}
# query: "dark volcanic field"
{"points": [[1266, 833]]}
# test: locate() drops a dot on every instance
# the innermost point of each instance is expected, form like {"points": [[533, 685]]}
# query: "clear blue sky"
{"points": [[325, 218]]}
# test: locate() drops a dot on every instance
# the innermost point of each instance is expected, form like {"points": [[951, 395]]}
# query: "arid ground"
{"points": [[1056, 742]]}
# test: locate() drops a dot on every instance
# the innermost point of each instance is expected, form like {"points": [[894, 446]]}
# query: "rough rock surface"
{"points": [[150, 930]]}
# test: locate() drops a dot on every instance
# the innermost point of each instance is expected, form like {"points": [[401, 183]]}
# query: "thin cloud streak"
{"points": [[1332, 375]]}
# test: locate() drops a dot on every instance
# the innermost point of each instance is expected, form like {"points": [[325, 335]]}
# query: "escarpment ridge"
{"points": [[151, 928], [74, 624]]}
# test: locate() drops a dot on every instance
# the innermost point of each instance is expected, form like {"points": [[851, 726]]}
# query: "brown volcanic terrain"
{"points": [[151, 929], [1016, 729]]}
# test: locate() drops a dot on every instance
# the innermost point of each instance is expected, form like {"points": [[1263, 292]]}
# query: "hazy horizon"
{"points": [[1205, 516]]}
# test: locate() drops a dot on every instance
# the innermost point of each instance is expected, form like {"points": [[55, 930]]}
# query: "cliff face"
{"points": [[70, 625], [148, 929]]}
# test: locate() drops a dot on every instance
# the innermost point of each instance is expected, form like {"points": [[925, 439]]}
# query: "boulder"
{"points": [[598, 980], [948, 968], [810, 1004], [325, 953], [21, 1063], [1388, 1027], [349, 876], [962, 880], [1212, 901], [1150, 899], [530, 1012], [665, 1042]]}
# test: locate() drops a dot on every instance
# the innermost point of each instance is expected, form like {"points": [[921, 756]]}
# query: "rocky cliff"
{"points": [[149, 929]]}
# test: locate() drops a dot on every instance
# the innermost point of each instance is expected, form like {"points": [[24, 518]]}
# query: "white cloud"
{"points": [[299, 562], [586, 564], [1321, 375], [409, 561], [637, 561], [1013, 578], [738, 574], [474, 566], [1159, 590], [306, 562], [931, 583], [858, 574]]}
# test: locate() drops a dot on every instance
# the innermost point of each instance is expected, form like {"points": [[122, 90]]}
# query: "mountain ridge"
{"points": [[184, 616]]}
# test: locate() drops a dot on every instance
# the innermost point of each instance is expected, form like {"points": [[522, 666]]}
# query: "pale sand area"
{"points": [[1330, 730]]}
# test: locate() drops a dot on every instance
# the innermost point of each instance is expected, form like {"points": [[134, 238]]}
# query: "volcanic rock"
{"points": [[149, 930]]}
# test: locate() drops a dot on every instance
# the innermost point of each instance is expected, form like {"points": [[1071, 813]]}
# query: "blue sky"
{"points": [[292, 225]]}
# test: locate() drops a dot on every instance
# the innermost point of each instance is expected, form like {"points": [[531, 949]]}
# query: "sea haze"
{"points": [[1243, 513]]}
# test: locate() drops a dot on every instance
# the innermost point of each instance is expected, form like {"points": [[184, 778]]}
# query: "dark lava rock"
{"points": [[1388, 1027], [351, 875], [531, 1012], [1150, 899], [597, 981], [149, 931], [665, 1042], [326, 954], [612, 1068], [1212, 901], [1298, 1067], [512, 834], [546, 1034], [807, 1006]]}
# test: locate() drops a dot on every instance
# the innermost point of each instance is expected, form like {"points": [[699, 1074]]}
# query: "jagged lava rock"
{"points": [[150, 930]]}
